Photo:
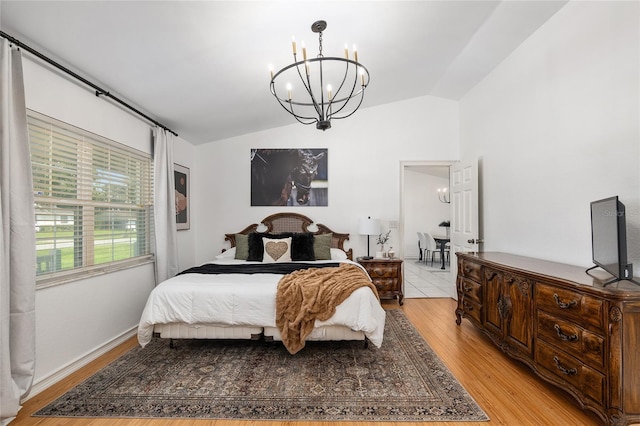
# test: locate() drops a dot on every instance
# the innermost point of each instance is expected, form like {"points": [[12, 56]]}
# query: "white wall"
{"points": [[76, 319], [555, 126], [365, 152]]}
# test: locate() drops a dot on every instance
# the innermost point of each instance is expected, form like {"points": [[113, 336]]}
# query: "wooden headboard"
{"points": [[293, 222]]}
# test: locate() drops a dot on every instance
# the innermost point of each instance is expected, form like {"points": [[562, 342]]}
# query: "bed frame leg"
{"points": [[268, 341], [366, 343], [172, 345]]}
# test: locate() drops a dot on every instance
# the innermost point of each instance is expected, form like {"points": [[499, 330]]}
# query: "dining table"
{"points": [[441, 241]]}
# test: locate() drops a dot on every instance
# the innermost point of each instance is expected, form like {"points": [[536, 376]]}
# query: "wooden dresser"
{"points": [[386, 274], [561, 322]]}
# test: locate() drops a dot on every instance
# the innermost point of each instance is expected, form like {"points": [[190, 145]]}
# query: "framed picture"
{"points": [[181, 176], [289, 177]]}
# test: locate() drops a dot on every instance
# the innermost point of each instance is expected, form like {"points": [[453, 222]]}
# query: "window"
{"points": [[93, 201]]}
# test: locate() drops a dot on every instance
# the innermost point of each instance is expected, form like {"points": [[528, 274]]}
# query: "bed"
{"points": [[235, 297]]}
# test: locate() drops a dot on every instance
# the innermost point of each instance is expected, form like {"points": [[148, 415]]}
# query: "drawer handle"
{"points": [[564, 305], [379, 272], [563, 336], [467, 269], [564, 370], [467, 306], [467, 288]]}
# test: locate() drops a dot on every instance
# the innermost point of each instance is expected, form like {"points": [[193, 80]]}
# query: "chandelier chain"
{"points": [[320, 43]]}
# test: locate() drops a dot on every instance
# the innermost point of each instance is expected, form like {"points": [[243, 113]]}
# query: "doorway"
{"points": [[422, 210]]}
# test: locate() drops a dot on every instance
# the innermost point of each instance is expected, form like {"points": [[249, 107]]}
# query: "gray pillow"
{"points": [[322, 246], [242, 246]]}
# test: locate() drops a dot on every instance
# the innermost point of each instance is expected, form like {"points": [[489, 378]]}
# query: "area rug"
{"points": [[404, 380]]}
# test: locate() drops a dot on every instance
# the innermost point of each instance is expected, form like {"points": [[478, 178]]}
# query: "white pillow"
{"points": [[227, 254], [337, 254], [276, 250]]}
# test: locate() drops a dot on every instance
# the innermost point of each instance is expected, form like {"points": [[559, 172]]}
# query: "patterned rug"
{"points": [[402, 381]]}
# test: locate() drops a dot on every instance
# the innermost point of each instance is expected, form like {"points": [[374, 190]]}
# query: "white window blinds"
{"points": [[93, 200]]}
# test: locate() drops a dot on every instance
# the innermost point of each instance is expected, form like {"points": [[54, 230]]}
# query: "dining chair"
{"points": [[433, 247], [430, 246], [422, 244]]}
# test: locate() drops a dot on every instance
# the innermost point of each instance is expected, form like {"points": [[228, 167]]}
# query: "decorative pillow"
{"points": [[302, 246], [242, 246], [322, 246], [227, 254], [256, 247], [277, 250], [337, 254]]}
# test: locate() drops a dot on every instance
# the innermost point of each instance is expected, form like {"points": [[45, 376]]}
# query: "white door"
{"points": [[465, 233]]}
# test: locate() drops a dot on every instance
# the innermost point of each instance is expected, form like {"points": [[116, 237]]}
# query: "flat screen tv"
{"points": [[609, 239]]}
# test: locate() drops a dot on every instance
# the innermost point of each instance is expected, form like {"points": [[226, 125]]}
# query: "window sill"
{"points": [[64, 277]]}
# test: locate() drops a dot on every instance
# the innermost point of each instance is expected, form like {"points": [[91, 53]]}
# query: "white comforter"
{"points": [[246, 300]]}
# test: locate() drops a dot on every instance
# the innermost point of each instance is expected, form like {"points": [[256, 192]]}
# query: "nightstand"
{"points": [[386, 274]]}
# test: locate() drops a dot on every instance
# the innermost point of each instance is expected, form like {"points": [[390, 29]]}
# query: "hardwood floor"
{"points": [[505, 389]]}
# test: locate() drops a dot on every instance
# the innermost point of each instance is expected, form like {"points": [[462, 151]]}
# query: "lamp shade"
{"points": [[369, 226]]}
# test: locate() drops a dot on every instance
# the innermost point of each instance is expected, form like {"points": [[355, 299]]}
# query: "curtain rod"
{"points": [[99, 90]]}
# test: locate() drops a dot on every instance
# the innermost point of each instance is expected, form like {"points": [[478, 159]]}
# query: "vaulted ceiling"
{"points": [[202, 67]]}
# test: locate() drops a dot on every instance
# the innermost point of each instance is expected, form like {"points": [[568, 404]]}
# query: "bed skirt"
{"points": [[204, 331]]}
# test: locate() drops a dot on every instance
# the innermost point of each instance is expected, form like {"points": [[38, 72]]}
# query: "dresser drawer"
{"points": [[472, 271], [573, 339], [472, 309], [382, 271], [584, 379], [565, 303], [386, 284], [470, 290]]}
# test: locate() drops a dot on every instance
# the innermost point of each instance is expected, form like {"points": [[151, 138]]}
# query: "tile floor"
{"points": [[424, 280]]}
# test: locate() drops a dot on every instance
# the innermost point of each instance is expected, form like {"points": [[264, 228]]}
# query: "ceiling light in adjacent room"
{"points": [[443, 196]]}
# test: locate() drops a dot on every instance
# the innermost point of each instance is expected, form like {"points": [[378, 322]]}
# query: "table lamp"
{"points": [[368, 227]]}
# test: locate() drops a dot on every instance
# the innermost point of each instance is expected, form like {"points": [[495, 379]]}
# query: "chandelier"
{"points": [[443, 196], [329, 87]]}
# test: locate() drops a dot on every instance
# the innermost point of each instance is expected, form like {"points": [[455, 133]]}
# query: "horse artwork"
{"points": [[289, 177]]}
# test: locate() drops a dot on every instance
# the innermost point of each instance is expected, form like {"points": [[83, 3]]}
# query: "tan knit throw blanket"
{"points": [[309, 294]]}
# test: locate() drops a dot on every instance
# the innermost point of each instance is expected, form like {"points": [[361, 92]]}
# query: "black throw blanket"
{"points": [[255, 268]]}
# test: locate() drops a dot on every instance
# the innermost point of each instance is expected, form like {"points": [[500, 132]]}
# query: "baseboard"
{"points": [[46, 382]]}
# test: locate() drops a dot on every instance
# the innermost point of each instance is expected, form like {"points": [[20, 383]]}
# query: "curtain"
{"points": [[17, 240], [164, 209]]}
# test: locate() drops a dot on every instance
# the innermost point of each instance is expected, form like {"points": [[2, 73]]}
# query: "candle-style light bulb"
{"points": [[355, 53], [304, 52], [289, 88], [293, 45], [361, 76], [329, 92], [271, 71], [346, 51]]}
